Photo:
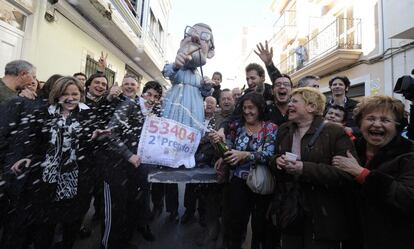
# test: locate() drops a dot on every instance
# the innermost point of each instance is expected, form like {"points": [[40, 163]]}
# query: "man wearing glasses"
{"points": [[184, 101], [277, 111]]}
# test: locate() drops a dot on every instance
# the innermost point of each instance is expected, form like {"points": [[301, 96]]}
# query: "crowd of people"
{"points": [[343, 173]]}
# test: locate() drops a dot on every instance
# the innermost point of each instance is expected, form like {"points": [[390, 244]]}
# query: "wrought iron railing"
{"points": [[342, 33], [285, 24]]}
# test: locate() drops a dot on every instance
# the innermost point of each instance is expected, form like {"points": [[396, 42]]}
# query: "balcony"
{"points": [[154, 42], [333, 47], [127, 11], [115, 20], [285, 28]]}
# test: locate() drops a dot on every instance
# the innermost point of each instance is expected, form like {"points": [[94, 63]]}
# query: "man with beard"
{"points": [[184, 101], [255, 77], [277, 111]]}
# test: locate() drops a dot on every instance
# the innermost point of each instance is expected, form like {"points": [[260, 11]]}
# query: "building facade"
{"points": [[68, 36], [368, 41]]}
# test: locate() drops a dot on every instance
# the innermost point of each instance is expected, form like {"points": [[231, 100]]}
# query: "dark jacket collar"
{"points": [[398, 146]]}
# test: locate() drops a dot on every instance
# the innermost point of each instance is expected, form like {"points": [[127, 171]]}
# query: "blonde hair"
{"points": [[379, 103], [60, 87], [312, 96]]}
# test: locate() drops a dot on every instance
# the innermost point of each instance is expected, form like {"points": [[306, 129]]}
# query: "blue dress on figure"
{"points": [[184, 101]]}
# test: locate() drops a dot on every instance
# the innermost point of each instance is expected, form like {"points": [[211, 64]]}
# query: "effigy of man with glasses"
{"points": [[184, 101]]}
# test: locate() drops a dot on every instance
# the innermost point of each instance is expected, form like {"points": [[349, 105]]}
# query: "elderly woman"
{"points": [[385, 174], [251, 141], [320, 216]]}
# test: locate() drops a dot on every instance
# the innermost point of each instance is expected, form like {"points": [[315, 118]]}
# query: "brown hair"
{"points": [[312, 96], [132, 76], [60, 87], [377, 103]]}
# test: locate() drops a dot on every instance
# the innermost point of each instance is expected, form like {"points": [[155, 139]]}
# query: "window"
{"points": [[153, 23], [11, 15], [130, 70], [92, 66], [132, 5], [160, 34], [346, 28]]}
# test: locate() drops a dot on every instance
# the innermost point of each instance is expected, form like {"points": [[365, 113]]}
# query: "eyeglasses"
{"points": [[204, 36], [279, 84], [382, 120]]}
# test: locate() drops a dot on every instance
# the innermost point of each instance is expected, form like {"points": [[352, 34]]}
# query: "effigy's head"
{"points": [[198, 42]]}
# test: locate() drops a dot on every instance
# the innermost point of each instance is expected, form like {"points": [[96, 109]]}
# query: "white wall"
{"points": [[398, 16], [62, 48]]}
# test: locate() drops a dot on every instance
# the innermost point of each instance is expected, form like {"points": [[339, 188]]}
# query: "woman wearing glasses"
{"points": [[184, 101], [385, 174]]}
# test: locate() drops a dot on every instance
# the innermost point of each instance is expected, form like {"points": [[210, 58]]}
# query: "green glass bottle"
{"points": [[222, 148]]}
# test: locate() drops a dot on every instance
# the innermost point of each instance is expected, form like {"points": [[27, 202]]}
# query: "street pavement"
{"points": [[168, 235]]}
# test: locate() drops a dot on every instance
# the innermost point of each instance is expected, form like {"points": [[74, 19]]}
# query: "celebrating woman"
{"points": [[58, 182], [251, 140], [310, 205], [385, 175]]}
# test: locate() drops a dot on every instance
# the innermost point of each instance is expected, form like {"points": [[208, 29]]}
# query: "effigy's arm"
{"points": [[169, 71]]}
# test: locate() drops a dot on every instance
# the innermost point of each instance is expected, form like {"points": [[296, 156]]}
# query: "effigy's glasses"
{"points": [[204, 36]]}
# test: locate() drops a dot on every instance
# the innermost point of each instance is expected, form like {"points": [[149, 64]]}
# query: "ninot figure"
{"points": [[184, 101]]}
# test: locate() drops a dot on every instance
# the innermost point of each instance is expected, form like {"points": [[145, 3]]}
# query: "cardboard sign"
{"points": [[168, 143]]}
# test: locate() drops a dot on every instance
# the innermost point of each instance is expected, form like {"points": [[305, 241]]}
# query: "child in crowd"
{"points": [[337, 114]]}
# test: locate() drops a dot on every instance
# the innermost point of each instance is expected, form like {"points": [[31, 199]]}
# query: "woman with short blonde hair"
{"points": [[311, 198], [312, 96]]}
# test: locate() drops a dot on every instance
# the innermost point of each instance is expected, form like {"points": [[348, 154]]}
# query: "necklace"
{"points": [[254, 129]]}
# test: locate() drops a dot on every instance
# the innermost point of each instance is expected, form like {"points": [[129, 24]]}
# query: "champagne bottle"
{"points": [[224, 171], [222, 148]]}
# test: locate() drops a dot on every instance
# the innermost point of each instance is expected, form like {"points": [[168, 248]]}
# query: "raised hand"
{"points": [[102, 62], [264, 53]]}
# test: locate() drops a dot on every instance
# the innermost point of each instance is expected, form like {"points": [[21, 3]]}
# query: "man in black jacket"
{"points": [[121, 192], [276, 112]]}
